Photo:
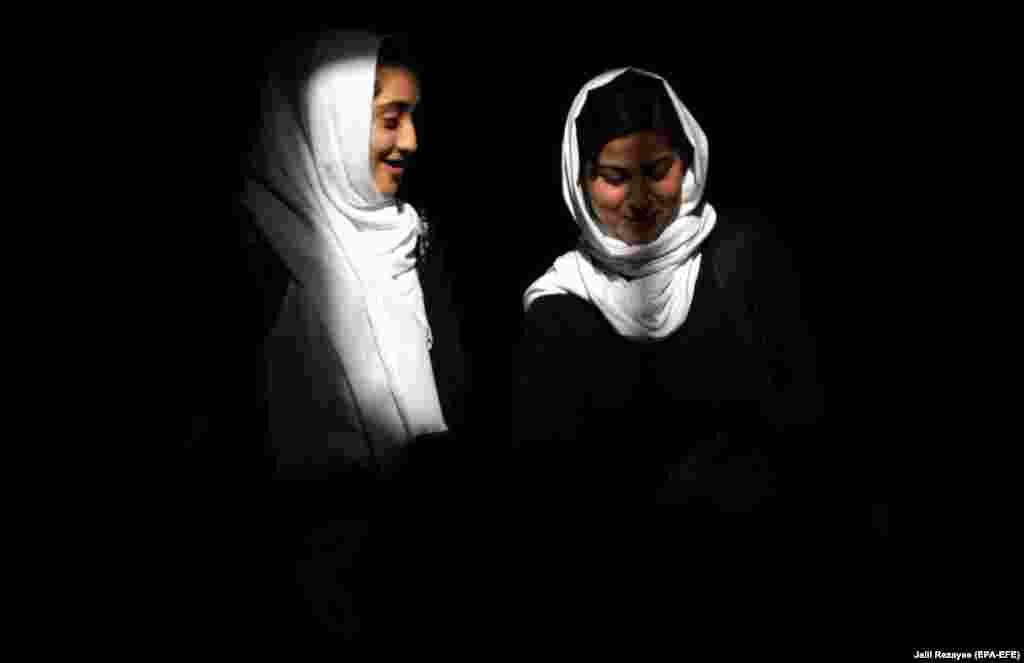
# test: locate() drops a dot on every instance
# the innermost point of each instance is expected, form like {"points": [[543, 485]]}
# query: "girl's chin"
{"points": [[387, 188], [633, 236]]}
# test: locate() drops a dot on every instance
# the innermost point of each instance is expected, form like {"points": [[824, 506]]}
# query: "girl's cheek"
{"points": [[669, 197], [607, 196], [669, 191]]}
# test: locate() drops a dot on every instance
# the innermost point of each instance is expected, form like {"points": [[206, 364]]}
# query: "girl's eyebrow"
{"points": [[396, 106], [644, 166]]}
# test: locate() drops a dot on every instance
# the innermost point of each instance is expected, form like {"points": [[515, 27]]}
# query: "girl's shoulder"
{"points": [[567, 317], [741, 240]]}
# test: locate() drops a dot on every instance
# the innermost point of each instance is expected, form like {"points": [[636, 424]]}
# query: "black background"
{"points": [[771, 91]]}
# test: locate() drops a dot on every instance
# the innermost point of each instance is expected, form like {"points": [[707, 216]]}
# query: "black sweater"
{"points": [[736, 385]]}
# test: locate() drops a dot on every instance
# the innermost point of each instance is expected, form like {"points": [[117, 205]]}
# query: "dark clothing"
{"points": [[287, 558], [267, 282], [446, 354], [736, 385], [587, 418]]}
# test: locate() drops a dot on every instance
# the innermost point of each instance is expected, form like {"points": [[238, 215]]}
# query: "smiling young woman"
{"points": [[665, 358], [395, 97], [635, 186], [635, 155], [361, 339]]}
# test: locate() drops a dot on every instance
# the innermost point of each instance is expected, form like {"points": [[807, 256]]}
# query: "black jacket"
{"points": [[736, 387], [230, 435]]}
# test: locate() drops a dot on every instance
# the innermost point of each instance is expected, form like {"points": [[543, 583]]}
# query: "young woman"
{"points": [[665, 358], [363, 352]]}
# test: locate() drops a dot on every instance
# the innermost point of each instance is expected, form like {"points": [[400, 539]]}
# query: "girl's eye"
{"points": [[661, 170], [391, 123], [614, 180]]}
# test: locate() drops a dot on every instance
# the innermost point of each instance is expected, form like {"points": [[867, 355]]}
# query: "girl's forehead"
{"points": [[397, 84], [637, 146]]}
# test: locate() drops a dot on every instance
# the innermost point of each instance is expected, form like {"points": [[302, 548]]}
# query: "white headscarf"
{"points": [[643, 290], [349, 362]]}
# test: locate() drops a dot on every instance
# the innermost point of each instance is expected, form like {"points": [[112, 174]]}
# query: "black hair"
{"points": [[396, 50], [295, 57], [632, 102]]}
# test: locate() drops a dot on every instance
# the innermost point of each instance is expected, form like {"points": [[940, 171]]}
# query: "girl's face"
{"points": [[635, 186], [393, 137]]}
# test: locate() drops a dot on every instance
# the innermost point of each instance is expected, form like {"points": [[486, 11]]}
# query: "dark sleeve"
{"points": [[452, 371], [514, 447], [788, 340], [812, 468], [436, 466], [510, 446], [552, 400], [228, 438], [266, 279], [556, 442]]}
